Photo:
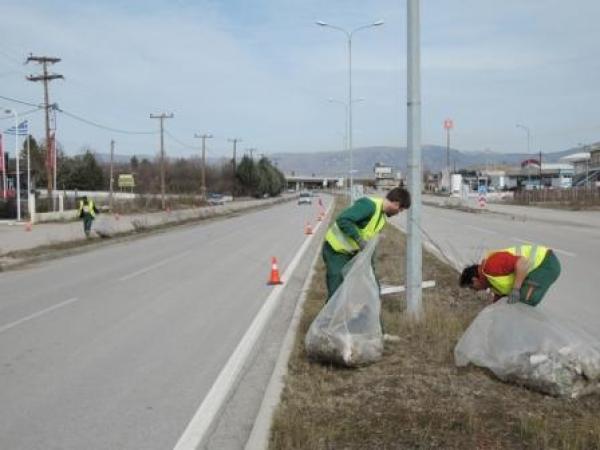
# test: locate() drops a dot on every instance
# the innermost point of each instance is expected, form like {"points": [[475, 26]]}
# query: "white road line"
{"points": [[36, 315], [554, 249], [197, 428], [483, 230], [154, 266]]}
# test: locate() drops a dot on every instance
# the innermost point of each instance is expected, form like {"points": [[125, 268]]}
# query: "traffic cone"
{"points": [[308, 228], [28, 226], [274, 279]]}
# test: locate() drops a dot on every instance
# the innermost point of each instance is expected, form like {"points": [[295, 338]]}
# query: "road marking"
{"points": [[554, 249], [200, 424], [483, 230], [36, 315], [154, 266]]}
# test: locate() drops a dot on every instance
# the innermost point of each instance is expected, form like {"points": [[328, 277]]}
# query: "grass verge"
{"points": [[415, 397]]}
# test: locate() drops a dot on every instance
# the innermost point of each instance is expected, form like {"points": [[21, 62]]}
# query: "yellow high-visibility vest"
{"points": [[503, 284], [344, 244], [89, 208]]}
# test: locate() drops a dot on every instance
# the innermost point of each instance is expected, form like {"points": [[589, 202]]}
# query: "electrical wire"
{"points": [[103, 127], [10, 99]]}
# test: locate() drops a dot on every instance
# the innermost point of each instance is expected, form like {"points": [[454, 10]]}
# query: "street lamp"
{"points": [[349, 35], [345, 105], [14, 113], [528, 149]]}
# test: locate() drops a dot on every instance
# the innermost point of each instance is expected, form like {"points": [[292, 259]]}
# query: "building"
{"points": [[385, 178], [533, 176], [586, 166]]}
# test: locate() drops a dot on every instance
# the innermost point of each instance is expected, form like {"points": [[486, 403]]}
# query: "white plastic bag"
{"points": [[528, 346], [347, 331], [103, 227]]}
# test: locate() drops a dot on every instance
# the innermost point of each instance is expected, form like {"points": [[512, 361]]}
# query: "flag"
{"points": [[1, 155], [22, 129]]}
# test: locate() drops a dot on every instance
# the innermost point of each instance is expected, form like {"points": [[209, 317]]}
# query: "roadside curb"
{"points": [[259, 436], [204, 420]]}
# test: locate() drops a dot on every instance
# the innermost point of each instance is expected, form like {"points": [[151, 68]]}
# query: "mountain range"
{"points": [[433, 156], [336, 163]]}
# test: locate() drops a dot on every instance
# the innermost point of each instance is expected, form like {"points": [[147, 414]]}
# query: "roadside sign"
{"points": [[126, 181]]}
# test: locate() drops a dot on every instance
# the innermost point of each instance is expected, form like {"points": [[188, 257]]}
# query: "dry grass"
{"points": [[415, 398]]}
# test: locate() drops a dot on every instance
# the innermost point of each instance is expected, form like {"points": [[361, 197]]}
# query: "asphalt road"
{"points": [[117, 347], [464, 238]]}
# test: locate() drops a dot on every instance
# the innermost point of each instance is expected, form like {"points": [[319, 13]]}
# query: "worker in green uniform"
{"points": [[354, 227], [87, 212]]}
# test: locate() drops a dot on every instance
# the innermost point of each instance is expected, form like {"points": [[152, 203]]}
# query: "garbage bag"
{"points": [[103, 227], [529, 346], [347, 331]]}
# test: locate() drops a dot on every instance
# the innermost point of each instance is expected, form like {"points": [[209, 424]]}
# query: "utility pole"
{"points": [[162, 117], [45, 77], [234, 163], [251, 151], [204, 137], [112, 155], [235, 141], [414, 255]]}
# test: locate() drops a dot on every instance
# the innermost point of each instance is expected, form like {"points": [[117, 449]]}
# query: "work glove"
{"points": [[362, 244], [514, 296]]}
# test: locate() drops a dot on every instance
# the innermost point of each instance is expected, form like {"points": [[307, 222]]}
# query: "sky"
{"points": [[263, 71]]}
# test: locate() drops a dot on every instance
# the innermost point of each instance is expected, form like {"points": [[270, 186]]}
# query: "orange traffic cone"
{"points": [[28, 226], [308, 228], [274, 279]]}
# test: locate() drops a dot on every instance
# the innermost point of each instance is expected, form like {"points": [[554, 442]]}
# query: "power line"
{"points": [[104, 127], [10, 99]]}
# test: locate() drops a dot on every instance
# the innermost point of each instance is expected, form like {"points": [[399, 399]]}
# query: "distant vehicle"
{"points": [[305, 199], [215, 199]]}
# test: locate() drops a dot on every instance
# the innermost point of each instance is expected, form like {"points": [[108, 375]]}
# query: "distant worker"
{"points": [[354, 227], [523, 274], [87, 212]]}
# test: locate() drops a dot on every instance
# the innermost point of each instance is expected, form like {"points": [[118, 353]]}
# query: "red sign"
{"points": [[448, 124]]}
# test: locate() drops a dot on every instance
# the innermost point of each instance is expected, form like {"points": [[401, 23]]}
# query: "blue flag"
{"points": [[22, 130]]}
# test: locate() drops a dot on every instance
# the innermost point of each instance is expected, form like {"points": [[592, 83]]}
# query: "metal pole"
{"points": [[203, 187], [350, 115], [29, 203], [110, 195], [162, 164], [18, 166], [414, 255]]}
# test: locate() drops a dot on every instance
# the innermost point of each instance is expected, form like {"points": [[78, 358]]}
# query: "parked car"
{"points": [[305, 198], [215, 199]]}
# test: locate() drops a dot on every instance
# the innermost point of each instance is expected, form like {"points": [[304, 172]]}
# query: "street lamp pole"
{"points": [[349, 35], [18, 187], [528, 149]]}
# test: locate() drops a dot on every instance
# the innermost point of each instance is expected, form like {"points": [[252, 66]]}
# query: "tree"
{"points": [[81, 172]]}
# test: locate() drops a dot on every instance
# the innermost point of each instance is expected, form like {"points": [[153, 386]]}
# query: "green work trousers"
{"points": [[539, 281], [87, 223], [334, 263]]}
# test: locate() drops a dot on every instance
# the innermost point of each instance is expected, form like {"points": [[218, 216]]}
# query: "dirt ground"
{"points": [[415, 397]]}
